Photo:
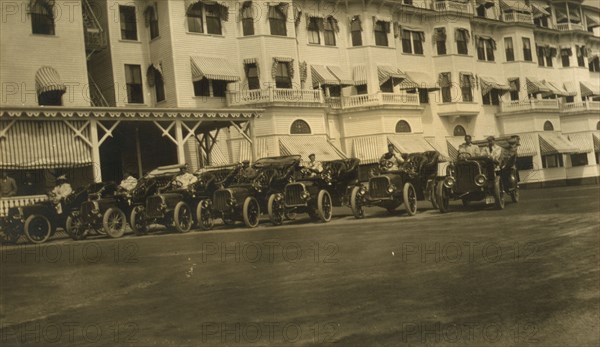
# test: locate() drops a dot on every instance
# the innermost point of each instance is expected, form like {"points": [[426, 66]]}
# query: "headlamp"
{"points": [[480, 180], [449, 182]]}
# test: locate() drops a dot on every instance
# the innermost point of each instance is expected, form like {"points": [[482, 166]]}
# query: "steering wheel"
{"points": [[464, 155]]}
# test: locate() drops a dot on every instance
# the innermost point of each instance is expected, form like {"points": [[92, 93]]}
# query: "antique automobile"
{"points": [[39, 221], [108, 210], [173, 205], [480, 178], [316, 193], [247, 196], [390, 188]]}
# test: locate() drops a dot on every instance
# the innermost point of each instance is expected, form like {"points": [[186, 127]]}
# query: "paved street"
{"points": [[526, 275]]}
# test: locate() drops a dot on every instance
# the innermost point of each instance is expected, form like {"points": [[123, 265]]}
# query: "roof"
{"points": [[555, 143], [305, 145], [410, 143], [583, 141], [285, 160]]}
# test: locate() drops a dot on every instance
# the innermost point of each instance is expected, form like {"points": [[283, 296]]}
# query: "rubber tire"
{"points": [[114, 233], [246, 213], [201, 213], [432, 198], [324, 206], [515, 195], [275, 214], [442, 200], [11, 234], [409, 196], [182, 226], [75, 234], [498, 194], [28, 225], [357, 209], [135, 214]]}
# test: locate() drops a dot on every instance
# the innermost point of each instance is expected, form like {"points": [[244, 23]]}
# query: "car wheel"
{"points": [[114, 222], [356, 204], [431, 189], [275, 209], [37, 228], [409, 195], [498, 194], [11, 233], [514, 195], [74, 228], [441, 195], [251, 212], [137, 220], [324, 206], [204, 216], [183, 217]]}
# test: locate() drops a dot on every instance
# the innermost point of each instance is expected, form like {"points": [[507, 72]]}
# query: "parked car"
{"points": [[480, 178], [316, 194], [248, 195], [389, 189]]}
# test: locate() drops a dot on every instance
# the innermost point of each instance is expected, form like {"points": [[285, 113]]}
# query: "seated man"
{"points": [[391, 157], [468, 149], [315, 167], [129, 182], [185, 178], [493, 151], [60, 192], [247, 170]]}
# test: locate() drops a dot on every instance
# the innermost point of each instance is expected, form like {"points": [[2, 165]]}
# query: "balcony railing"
{"points": [[19, 201], [270, 95], [526, 105], [569, 26], [452, 6], [580, 106], [516, 17], [377, 99]]}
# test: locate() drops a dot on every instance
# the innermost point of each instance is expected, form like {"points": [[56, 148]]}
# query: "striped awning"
{"points": [[596, 142], [242, 149], [555, 143], [321, 76], [305, 145], [486, 3], [535, 86], [557, 89], [439, 148], [419, 80], [583, 141], [515, 5], [539, 8], [489, 83], [570, 87], [368, 149], [589, 89], [453, 144], [341, 75], [527, 145], [385, 72], [410, 143], [359, 74], [593, 19], [43, 145], [213, 69], [48, 80]]}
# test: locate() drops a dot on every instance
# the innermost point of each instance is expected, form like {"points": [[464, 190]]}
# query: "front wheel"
{"points": [[37, 228], [183, 217], [356, 204], [114, 222], [11, 233], [324, 206], [441, 195], [74, 228], [204, 216], [137, 220], [275, 209], [498, 194], [514, 195], [251, 212], [410, 198]]}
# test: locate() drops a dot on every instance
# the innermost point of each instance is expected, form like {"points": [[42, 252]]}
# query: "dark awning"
{"points": [[385, 72]]}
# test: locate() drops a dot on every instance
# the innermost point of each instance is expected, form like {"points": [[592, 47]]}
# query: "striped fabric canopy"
{"points": [[213, 69], [589, 89], [360, 75], [535, 86], [489, 83], [527, 146], [453, 144], [305, 145], [583, 141], [385, 72], [48, 80], [419, 80], [322, 76], [43, 145], [341, 75], [556, 89], [555, 143], [596, 142], [410, 143], [515, 5], [368, 149]]}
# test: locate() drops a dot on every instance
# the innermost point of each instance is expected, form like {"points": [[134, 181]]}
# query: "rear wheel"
{"points": [[74, 228], [441, 195], [204, 216], [356, 204], [514, 195], [11, 232], [114, 222], [498, 193], [137, 220], [183, 217], [37, 228], [251, 212], [324, 206], [410, 198], [275, 209]]}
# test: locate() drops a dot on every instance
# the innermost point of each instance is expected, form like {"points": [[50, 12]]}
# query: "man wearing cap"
{"points": [[129, 182], [493, 151], [468, 149], [313, 165], [8, 186], [247, 170], [185, 178], [392, 157]]}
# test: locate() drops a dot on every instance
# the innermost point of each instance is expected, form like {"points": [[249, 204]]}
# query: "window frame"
{"points": [[202, 87], [133, 87], [300, 127], [551, 161], [253, 81], [403, 127], [277, 25], [459, 130], [212, 19], [312, 32], [380, 33], [594, 64], [42, 19], [509, 51], [527, 54], [329, 38], [128, 26], [413, 44], [195, 18], [466, 91], [462, 47], [248, 21], [153, 23], [579, 159], [356, 32], [283, 80], [440, 45]]}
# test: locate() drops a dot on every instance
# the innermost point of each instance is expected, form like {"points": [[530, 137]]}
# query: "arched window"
{"points": [[403, 127], [300, 127], [459, 131], [42, 17], [548, 126]]}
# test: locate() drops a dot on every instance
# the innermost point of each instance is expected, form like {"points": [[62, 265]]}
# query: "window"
{"points": [[491, 98], [527, 49], [552, 160], [219, 88], [481, 11], [508, 48], [412, 41], [252, 76], [381, 30], [200, 14], [594, 65], [361, 89], [446, 87], [598, 126], [282, 75], [213, 19], [356, 31], [133, 79], [466, 85], [403, 127], [540, 55], [202, 87], [152, 21], [515, 87], [423, 96], [329, 31], [459, 130], [580, 56], [50, 98], [299, 127], [462, 40], [194, 18], [334, 91], [155, 79], [485, 49], [247, 19], [128, 22], [387, 86], [541, 22], [313, 30], [569, 99], [277, 19], [524, 163], [42, 17], [579, 159], [440, 40], [548, 126], [211, 88]]}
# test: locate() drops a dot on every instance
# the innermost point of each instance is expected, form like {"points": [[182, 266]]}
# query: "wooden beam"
{"points": [[191, 131], [96, 167], [107, 131], [241, 131], [5, 130], [79, 131], [166, 131]]}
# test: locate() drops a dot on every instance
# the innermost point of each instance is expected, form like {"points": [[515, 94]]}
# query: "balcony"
{"points": [[516, 17], [580, 106], [458, 109], [528, 105], [377, 99], [274, 95], [569, 26], [453, 6]]}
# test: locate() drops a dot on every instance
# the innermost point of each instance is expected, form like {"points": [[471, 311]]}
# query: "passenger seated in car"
{"points": [[313, 166], [128, 183], [185, 179], [391, 160]]}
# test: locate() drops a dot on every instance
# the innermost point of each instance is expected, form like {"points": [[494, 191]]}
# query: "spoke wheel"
{"points": [[324, 206], [137, 220], [74, 228], [251, 212], [442, 197], [514, 195], [356, 204], [409, 194], [11, 232], [37, 228], [498, 194], [204, 216], [183, 217], [114, 222], [275, 209]]}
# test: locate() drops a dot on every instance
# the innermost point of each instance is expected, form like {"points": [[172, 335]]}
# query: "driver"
{"points": [[247, 170], [393, 157], [185, 178], [493, 151], [60, 192], [314, 166], [468, 148], [129, 182]]}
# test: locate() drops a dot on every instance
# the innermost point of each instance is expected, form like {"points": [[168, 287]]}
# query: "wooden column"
{"points": [[180, 143], [97, 171], [253, 139], [138, 149]]}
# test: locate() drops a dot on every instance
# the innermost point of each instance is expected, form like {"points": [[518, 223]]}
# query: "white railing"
{"points": [[360, 100], [580, 106], [517, 17], [452, 6], [535, 104], [334, 101], [267, 95], [19, 201], [377, 99], [569, 26]]}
